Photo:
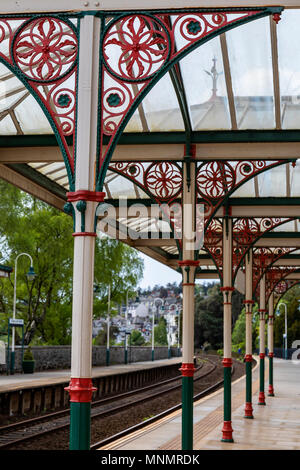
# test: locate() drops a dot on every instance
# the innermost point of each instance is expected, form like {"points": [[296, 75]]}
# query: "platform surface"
{"points": [[20, 381], [275, 426]]}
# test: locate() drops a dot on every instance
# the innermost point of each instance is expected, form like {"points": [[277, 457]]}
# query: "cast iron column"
{"points": [[271, 344], [84, 200], [248, 356], [188, 266], [227, 290], [262, 347]]}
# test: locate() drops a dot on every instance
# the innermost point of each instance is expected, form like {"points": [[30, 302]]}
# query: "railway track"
{"points": [[33, 428]]}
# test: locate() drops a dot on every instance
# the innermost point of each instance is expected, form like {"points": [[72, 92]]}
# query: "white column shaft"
{"points": [[271, 324], [227, 285], [248, 297], [262, 307]]}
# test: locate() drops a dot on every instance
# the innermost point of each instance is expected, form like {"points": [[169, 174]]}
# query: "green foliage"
{"points": [[28, 225], [101, 338], [291, 298], [160, 333], [239, 330], [28, 354], [137, 338], [119, 266]]}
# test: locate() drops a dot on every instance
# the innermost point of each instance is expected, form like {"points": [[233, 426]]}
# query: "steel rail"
{"points": [[62, 421]]}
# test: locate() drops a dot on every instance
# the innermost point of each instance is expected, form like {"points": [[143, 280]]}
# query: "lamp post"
{"points": [[153, 311], [30, 276], [169, 320], [285, 325], [108, 322], [126, 323]]}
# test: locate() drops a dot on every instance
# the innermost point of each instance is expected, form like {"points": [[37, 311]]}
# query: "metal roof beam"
{"points": [[32, 6]]}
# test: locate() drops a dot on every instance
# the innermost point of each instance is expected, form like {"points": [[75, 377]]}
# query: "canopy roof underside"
{"points": [[242, 101]]}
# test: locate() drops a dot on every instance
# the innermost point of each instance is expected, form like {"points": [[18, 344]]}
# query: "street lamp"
{"points": [[285, 324], [126, 325], [30, 276], [168, 320], [107, 328]]}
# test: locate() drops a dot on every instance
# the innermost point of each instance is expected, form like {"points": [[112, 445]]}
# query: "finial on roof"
{"points": [[214, 74]]}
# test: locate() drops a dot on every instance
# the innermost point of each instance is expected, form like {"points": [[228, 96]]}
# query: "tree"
{"points": [[29, 225], [160, 333], [209, 315], [101, 338], [291, 298], [209, 318], [137, 338], [118, 266]]}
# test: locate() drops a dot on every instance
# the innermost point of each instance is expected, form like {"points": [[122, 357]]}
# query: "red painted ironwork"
{"points": [[161, 180], [274, 276], [80, 390], [218, 179], [187, 369], [137, 47], [42, 52], [246, 231], [45, 48]]}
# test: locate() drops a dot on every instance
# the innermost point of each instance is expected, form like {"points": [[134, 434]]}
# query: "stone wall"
{"points": [[59, 357]]}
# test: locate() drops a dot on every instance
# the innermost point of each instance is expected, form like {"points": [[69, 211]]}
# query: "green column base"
{"points": [[227, 428], [107, 357], [261, 396], [80, 424], [12, 362], [248, 404], [152, 355], [187, 412], [126, 357]]}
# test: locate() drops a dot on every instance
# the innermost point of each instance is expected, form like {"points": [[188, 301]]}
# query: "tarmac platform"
{"points": [[275, 426], [40, 391]]}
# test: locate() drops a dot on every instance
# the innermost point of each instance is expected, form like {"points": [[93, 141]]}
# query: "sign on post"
{"points": [[16, 322]]}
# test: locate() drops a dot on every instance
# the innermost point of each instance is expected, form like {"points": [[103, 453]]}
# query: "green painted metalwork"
{"points": [[26, 82], [80, 416], [249, 384], [187, 412], [227, 398], [117, 16]]}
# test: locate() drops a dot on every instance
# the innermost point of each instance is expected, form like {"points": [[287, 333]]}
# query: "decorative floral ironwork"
{"points": [[45, 49], [215, 179], [138, 49], [141, 47], [164, 180]]}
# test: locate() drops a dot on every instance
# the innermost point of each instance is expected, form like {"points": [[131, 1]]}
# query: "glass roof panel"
{"points": [[205, 88], [286, 227], [272, 183], [247, 189], [288, 34], [250, 58], [295, 179], [161, 107], [7, 126]]}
